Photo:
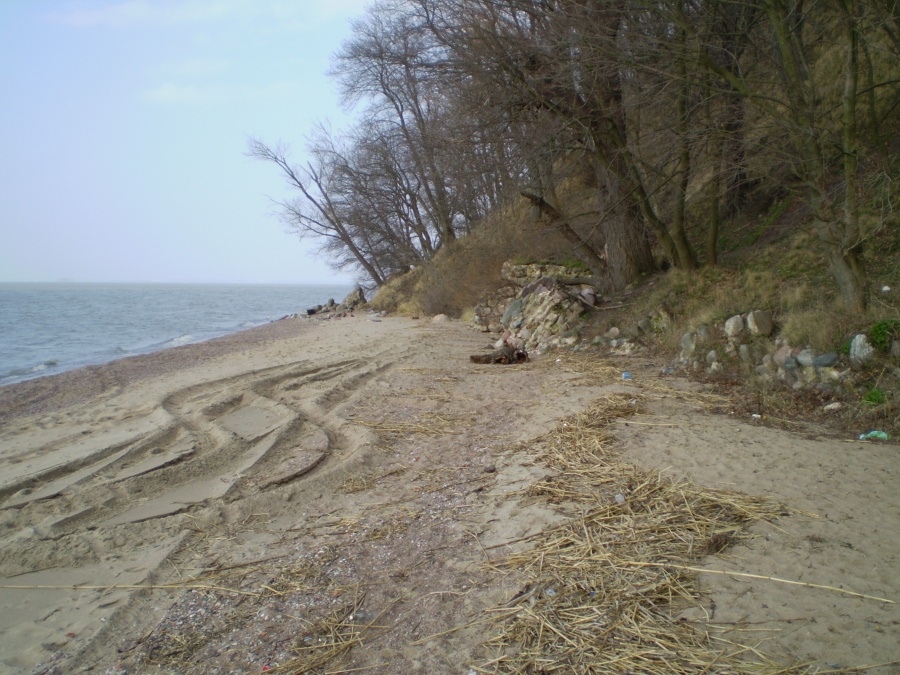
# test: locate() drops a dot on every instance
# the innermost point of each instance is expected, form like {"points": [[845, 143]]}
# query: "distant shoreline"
{"points": [[48, 393]]}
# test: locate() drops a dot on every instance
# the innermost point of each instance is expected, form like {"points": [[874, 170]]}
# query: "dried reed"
{"points": [[604, 590]]}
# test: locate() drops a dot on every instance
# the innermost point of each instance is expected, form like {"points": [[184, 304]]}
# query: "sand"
{"points": [[273, 483]]}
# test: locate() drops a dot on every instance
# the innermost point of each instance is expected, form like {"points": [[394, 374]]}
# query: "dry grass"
{"points": [[461, 272], [604, 590], [327, 639], [429, 424], [361, 483]]}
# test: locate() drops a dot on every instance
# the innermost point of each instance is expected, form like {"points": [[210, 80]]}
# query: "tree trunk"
{"points": [[581, 248], [847, 270]]}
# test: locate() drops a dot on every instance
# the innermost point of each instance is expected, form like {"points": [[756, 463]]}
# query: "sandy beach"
{"points": [[231, 506]]}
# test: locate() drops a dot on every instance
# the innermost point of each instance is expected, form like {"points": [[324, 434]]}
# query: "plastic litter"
{"points": [[874, 436], [620, 498], [626, 375]]}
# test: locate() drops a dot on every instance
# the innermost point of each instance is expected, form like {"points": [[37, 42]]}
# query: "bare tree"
{"points": [[315, 212]]}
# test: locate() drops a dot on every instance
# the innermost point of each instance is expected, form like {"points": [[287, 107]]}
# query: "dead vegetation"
{"points": [[604, 590]]}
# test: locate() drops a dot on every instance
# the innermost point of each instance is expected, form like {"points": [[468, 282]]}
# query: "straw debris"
{"points": [[603, 591]]}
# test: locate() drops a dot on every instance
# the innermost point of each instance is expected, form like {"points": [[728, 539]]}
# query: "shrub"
{"points": [[882, 333]]}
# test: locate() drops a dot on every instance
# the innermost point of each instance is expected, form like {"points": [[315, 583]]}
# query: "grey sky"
{"points": [[123, 130]]}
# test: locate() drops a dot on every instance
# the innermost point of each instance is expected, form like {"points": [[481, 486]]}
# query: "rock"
{"points": [[759, 322], [810, 374], [712, 357], [612, 333], [861, 351], [825, 360], [782, 355], [895, 349], [833, 407], [600, 341], [703, 334], [745, 354], [513, 312], [830, 374], [645, 325], [734, 326], [806, 357], [440, 318], [687, 345], [631, 331], [790, 364], [661, 320], [354, 300]]}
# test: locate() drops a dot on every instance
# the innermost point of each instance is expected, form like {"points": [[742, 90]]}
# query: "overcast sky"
{"points": [[123, 128]]}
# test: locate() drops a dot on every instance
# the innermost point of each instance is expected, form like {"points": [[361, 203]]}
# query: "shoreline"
{"points": [[132, 320], [48, 393]]}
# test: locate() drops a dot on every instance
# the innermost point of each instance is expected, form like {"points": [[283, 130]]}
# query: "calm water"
{"points": [[49, 328]]}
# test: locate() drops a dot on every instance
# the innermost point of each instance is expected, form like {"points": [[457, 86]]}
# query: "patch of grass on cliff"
{"points": [[463, 271]]}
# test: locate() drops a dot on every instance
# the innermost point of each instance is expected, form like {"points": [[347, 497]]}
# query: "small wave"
{"points": [[182, 340], [20, 374]]}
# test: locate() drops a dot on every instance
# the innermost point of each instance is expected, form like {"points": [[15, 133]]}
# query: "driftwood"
{"points": [[506, 354]]}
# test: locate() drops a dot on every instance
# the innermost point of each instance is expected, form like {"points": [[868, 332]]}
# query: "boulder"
{"points": [[703, 334], [806, 357], [512, 317], [734, 326], [759, 322], [782, 355], [825, 360], [688, 345], [861, 351], [440, 318], [661, 320], [356, 299]]}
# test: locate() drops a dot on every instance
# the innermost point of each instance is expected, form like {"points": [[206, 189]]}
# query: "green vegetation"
{"points": [[884, 332], [874, 397]]}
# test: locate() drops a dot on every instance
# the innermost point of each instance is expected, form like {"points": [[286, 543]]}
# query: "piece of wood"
{"points": [[504, 355]]}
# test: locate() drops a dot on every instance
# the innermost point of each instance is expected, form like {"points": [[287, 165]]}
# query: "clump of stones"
{"points": [[542, 307]]}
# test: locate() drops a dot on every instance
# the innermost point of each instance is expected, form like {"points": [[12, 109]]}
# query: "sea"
{"points": [[49, 328]]}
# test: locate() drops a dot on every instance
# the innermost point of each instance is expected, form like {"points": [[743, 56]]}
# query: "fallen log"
{"points": [[505, 354]]}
